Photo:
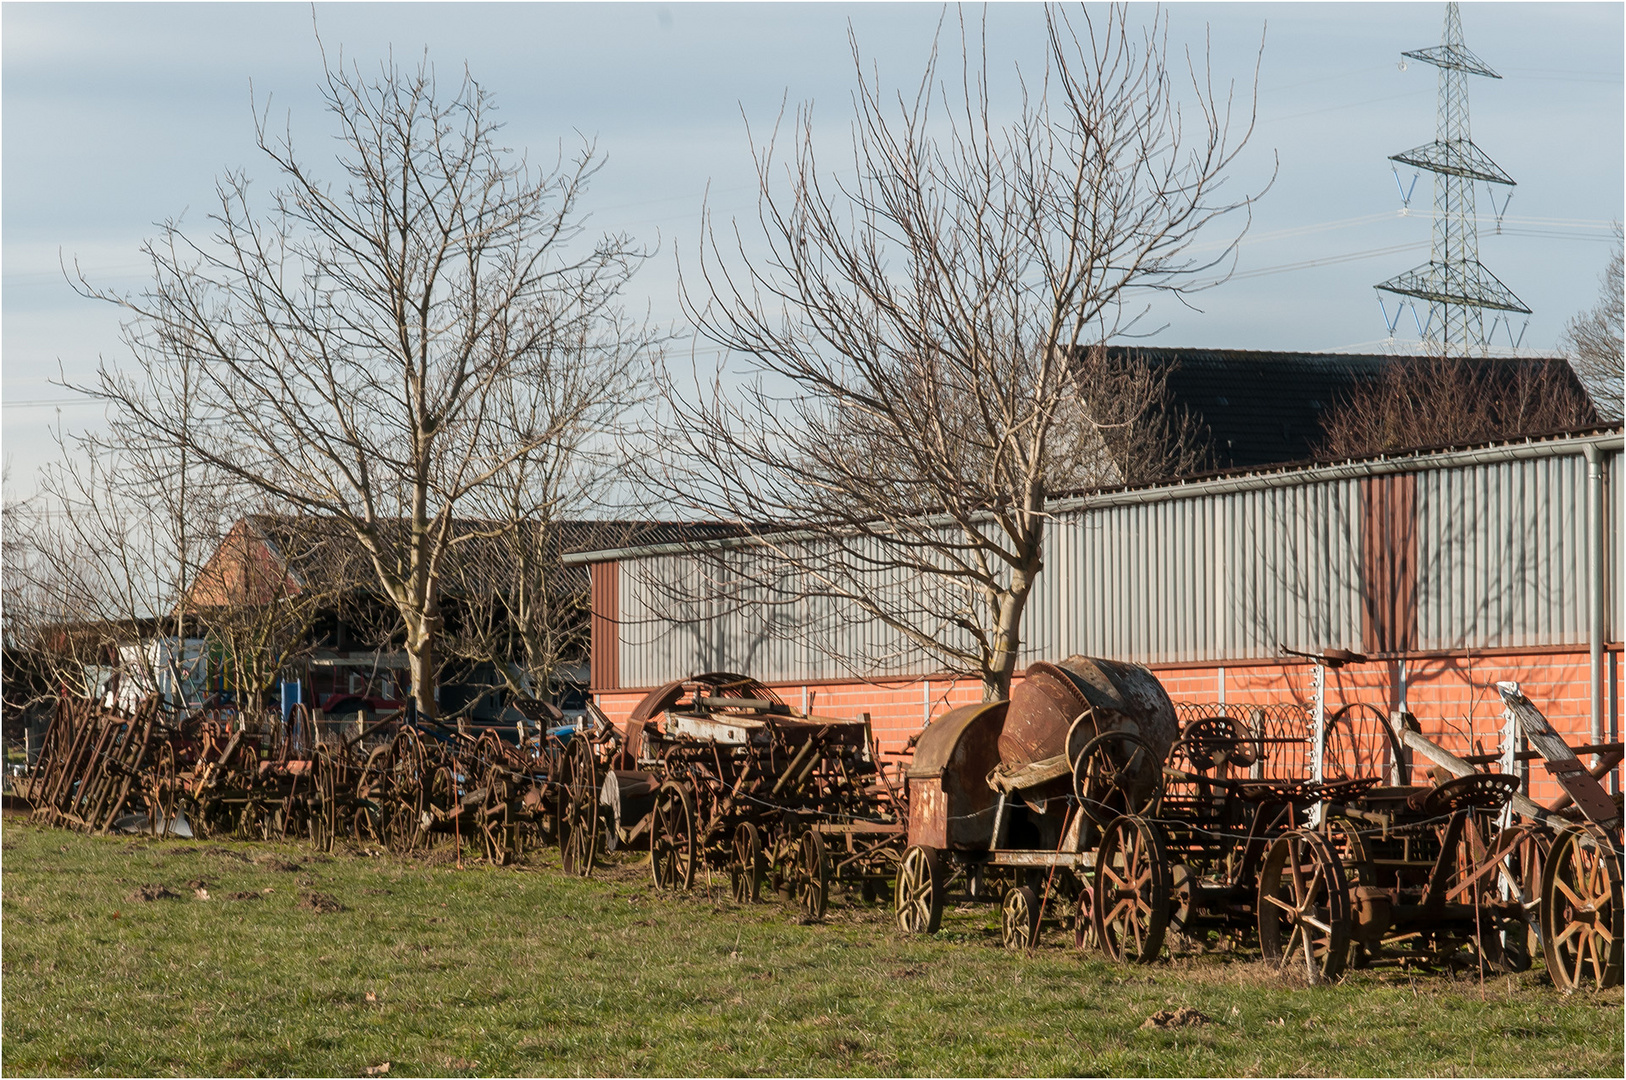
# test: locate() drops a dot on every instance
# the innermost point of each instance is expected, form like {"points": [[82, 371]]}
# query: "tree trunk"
{"points": [[1007, 634], [420, 650]]}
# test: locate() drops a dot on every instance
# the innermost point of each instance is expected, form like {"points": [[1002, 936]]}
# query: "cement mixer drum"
{"points": [[1108, 695]]}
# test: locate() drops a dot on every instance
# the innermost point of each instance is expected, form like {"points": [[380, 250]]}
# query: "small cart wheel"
{"points": [[918, 896], [578, 809], [1019, 918], [812, 875], [1131, 891], [1304, 908], [1084, 935], [745, 872], [1581, 909], [671, 838]]}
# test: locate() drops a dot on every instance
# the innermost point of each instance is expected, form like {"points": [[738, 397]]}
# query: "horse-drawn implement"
{"points": [[717, 773]]}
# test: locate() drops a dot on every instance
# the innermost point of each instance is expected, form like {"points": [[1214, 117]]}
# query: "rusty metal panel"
{"points": [[1502, 557], [604, 672], [928, 813], [1389, 559]]}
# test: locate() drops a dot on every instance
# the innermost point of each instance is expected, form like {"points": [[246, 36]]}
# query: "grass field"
{"points": [[524, 971]]}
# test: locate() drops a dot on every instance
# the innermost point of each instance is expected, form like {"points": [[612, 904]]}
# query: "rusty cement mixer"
{"points": [[992, 785]]}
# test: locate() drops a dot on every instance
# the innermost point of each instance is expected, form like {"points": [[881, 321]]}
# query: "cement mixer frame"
{"points": [[1145, 840]]}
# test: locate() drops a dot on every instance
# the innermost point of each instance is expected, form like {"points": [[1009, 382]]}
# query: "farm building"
{"points": [[1449, 570]]}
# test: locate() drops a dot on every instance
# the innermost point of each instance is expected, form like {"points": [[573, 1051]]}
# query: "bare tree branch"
{"points": [[352, 346], [924, 335]]}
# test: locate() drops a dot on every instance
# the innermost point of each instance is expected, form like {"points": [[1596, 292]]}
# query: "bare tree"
{"points": [[105, 555], [255, 612], [1452, 401], [926, 332], [519, 609], [1595, 344], [351, 340]]}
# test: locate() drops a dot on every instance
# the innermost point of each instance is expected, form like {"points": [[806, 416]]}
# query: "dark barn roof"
{"points": [[1265, 408]]}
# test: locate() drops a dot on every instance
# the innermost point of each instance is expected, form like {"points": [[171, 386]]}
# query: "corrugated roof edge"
{"points": [[1550, 444]]}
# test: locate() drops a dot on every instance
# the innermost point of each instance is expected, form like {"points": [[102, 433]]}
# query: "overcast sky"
{"points": [[113, 117]]}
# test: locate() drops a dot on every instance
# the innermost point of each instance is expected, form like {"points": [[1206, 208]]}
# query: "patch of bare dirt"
{"points": [[320, 903], [154, 892], [1184, 1016]]}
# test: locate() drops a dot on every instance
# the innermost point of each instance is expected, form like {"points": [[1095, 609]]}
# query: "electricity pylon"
{"points": [[1456, 285]]}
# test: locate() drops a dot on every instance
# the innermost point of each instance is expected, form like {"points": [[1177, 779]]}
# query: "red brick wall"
{"points": [[1454, 698]]}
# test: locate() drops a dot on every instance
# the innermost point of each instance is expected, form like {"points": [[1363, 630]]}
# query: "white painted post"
{"points": [[1318, 744]]}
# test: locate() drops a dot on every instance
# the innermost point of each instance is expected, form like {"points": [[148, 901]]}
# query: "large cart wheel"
{"points": [[671, 838], [1520, 879], [578, 809], [325, 812], [1371, 911], [497, 817], [1116, 774], [1581, 909], [918, 895], [163, 800], [364, 824], [1131, 891], [811, 875], [745, 871], [1019, 918], [1304, 909]]}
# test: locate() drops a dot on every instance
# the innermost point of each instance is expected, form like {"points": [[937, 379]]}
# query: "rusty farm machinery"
{"points": [[1295, 831], [717, 773]]}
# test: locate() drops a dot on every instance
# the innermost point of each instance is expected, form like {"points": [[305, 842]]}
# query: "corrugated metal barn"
{"points": [[1449, 570]]}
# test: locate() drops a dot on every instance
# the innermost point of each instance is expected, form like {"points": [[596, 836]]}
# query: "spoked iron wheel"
{"points": [[811, 876], [671, 838], [918, 894], [1084, 935], [405, 782], [364, 825], [325, 812], [1116, 774], [1370, 907], [163, 797], [1581, 909], [439, 802], [497, 817], [1019, 918], [745, 871], [1131, 891], [1520, 880], [1304, 909], [578, 809]]}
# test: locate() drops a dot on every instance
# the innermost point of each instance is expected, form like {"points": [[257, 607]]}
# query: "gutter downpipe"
{"points": [[1595, 583]]}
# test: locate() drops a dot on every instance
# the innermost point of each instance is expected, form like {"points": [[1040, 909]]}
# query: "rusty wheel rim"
{"points": [[1581, 910], [1304, 908], [917, 895], [745, 872], [164, 797], [496, 825], [812, 876], [1084, 936], [671, 839], [1131, 892], [1019, 918], [1116, 774]]}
